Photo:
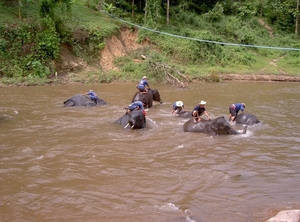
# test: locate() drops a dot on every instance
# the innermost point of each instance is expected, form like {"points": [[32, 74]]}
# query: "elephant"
{"points": [[83, 100], [147, 98], [246, 119], [184, 114], [135, 119], [218, 126]]}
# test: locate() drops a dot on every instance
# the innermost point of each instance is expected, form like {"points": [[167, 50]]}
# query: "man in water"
{"points": [[234, 110]]}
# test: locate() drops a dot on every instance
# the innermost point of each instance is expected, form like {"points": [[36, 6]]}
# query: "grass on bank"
{"points": [[198, 60]]}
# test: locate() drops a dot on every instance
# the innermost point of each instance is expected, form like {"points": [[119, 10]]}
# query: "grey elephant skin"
{"points": [[147, 98], [135, 120], [83, 100], [246, 119], [184, 114], [218, 126]]}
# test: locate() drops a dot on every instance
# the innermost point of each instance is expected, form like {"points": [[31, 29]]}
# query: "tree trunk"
{"points": [[168, 11], [20, 3], [297, 19], [261, 8], [132, 10], [146, 12]]}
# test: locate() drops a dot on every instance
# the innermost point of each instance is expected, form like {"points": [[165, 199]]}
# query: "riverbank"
{"points": [[73, 79]]}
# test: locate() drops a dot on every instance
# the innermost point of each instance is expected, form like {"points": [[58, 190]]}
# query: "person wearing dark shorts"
{"points": [[198, 111], [177, 107], [143, 86], [234, 110]]}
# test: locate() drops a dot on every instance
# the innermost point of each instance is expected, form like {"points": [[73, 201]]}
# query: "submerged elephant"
{"points": [[246, 119], [134, 119], [147, 98], [218, 126], [83, 100], [184, 114]]}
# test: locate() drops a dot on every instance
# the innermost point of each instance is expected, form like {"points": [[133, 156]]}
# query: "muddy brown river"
{"points": [[76, 164]]}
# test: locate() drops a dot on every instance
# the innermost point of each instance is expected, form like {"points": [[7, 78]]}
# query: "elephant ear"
{"points": [[69, 102], [218, 125]]}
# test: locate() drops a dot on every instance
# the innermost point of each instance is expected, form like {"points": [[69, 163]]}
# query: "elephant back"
{"points": [[145, 98], [247, 119]]}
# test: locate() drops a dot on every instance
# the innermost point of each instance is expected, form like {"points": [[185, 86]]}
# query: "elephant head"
{"points": [[134, 119], [221, 127], [137, 119], [156, 96], [246, 119]]}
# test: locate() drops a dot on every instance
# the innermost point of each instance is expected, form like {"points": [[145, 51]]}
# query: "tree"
{"points": [[297, 18], [168, 11]]}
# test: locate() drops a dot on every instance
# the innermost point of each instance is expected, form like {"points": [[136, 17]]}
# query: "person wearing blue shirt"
{"points": [[234, 110], [198, 111], [93, 96], [177, 107], [143, 86], [136, 105]]}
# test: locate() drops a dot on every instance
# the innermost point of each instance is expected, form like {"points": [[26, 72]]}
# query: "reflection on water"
{"points": [[76, 164]]}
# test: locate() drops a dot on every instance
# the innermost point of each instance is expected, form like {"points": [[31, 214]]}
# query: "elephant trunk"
{"points": [[245, 129]]}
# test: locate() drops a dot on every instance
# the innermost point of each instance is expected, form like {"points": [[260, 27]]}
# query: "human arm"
{"points": [[207, 115]]}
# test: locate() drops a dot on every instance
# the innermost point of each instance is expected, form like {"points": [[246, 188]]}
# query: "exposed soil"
{"points": [[267, 27], [120, 45], [126, 42]]}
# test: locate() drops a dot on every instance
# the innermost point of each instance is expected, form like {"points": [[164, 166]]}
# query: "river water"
{"points": [[76, 164]]}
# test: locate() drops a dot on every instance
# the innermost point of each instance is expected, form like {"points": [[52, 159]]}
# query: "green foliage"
{"points": [[37, 69], [153, 14], [247, 9], [48, 45], [216, 14], [30, 46]]}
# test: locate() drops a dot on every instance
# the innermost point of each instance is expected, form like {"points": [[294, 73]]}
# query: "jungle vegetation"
{"points": [[34, 32]]}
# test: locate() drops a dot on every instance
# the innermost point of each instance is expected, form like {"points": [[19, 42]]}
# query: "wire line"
{"points": [[199, 40]]}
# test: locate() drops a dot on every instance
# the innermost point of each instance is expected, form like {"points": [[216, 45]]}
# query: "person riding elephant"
{"points": [[213, 127], [234, 110], [135, 119], [143, 86], [246, 119], [92, 95], [136, 105], [83, 100], [147, 98]]}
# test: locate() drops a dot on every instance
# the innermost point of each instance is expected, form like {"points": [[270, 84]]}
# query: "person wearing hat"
{"points": [[143, 86], [234, 110], [177, 107], [199, 110], [92, 95], [136, 105]]}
